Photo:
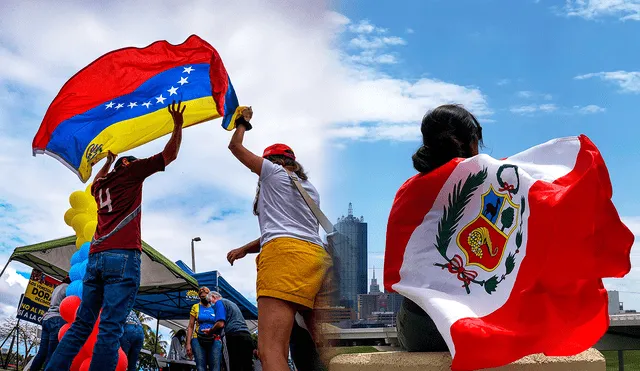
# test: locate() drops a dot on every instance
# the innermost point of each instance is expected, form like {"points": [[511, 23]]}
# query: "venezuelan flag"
{"points": [[119, 101]]}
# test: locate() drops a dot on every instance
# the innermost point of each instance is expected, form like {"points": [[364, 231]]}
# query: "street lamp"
{"points": [[193, 256]]}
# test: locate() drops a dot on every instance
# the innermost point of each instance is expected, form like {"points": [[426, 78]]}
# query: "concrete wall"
{"points": [[591, 360]]}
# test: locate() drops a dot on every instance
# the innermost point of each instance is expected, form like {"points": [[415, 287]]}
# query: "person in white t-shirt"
{"points": [[292, 263]]}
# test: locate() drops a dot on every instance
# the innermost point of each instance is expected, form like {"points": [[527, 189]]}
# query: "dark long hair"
{"points": [[286, 162], [448, 132]]}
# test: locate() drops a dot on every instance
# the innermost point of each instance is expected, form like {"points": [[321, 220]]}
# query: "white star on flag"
{"points": [[120, 105], [183, 80], [160, 99], [188, 70], [173, 91], [147, 104], [133, 104], [109, 105]]}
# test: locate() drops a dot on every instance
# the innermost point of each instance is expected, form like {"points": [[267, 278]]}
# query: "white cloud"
{"points": [[303, 93], [593, 9], [365, 27], [409, 30], [629, 82], [527, 94], [591, 109], [533, 108], [503, 82], [372, 43], [12, 285]]}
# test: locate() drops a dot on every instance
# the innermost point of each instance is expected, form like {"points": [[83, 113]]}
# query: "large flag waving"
{"points": [[118, 102], [507, 256]]}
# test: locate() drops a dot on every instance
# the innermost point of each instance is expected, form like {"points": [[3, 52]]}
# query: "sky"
{"points": [[344, 83]]}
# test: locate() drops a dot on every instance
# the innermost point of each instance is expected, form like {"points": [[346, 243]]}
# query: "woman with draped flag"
{"points": [[500, 259], [118, 102]]}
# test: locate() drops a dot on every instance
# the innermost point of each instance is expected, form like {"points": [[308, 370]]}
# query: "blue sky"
{"points": [[346, 87], [525, 57]]}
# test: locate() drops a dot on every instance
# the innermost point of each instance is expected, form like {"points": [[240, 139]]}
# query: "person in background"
{"points": [[293, 263], [113, 272], [176, 349], [51, 324], [237, 338], [132, 340], [448, 132], [202, 344]]}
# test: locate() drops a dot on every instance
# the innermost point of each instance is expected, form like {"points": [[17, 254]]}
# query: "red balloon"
{"points": [[63, 330], [85, 365], [79, 362], [68, 308], [122, 361], [87, 348]]}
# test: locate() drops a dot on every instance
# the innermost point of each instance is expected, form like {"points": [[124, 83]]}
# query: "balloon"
{"points": [[80, 200], [80, 241], [88, 189], [63, 330], [77, 271], [78, 223], [87, 348], [90, 230], [79, 363], [68, 216], [84, 251], [123, 362], [75, 259], [69, 307], [75, 289]]}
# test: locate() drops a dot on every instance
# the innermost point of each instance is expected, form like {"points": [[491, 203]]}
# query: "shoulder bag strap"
{"points": [[322, 219]]}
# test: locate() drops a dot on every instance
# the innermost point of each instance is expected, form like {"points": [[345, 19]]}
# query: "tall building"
{"points": [[351, 251], [374, 288]]}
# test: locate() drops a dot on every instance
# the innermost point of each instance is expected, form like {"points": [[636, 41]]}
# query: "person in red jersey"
{"points": [[113, 272]]}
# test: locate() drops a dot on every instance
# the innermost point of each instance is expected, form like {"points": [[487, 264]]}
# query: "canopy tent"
{"points": [[158, 274], [172, 308]]}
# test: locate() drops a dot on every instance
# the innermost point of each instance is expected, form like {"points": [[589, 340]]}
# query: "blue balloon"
{"points": [[78, 270], [84, 251], [75, 289], [76, 258]]}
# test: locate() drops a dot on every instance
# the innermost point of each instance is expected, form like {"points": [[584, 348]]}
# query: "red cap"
{"points": [[279, 149]]}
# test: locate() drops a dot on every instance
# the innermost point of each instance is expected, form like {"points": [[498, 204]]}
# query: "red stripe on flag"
{"points": [[121, 72], [558, 305], [412, 203]]}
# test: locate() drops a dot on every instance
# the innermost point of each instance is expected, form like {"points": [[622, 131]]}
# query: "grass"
{"points": [[631, 360], [330, 352]]}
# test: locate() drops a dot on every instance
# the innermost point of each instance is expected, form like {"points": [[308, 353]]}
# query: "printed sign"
{"points": [[36, 299]]}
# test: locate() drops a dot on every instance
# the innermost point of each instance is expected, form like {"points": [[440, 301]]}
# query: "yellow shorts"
{"points": [[292, 270]]}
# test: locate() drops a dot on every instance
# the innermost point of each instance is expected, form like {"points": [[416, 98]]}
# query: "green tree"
{"points": [[507, 218]]}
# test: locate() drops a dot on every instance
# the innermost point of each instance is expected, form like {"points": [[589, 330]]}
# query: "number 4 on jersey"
{"points": [[108, 200]]}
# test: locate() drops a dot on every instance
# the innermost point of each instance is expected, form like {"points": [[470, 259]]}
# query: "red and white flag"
{"points": [[507, 256]]}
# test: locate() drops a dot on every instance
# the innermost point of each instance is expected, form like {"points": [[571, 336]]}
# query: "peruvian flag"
{"points": [[507, 256]]}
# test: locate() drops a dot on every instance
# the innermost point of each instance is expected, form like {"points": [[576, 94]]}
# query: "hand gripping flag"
{"points": [[507, 256], [119, 101]]}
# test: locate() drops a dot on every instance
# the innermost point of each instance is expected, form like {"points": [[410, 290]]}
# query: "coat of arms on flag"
{"points": [[509, 254], [483, 241]]}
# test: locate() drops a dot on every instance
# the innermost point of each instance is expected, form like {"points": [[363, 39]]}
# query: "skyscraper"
{"points": [[374, 288], [351, 251]]}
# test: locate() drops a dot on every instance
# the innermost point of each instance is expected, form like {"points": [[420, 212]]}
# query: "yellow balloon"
{"points": [[76, 199], [68, 216], [90, 230], [78, 223], [88, 189], [92, 208], [79, 242]]}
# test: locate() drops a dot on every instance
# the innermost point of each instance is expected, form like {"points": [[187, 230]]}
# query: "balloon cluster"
{"points": [[83, 218]]}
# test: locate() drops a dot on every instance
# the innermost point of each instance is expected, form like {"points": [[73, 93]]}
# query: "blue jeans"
{"points": [[111, 284], [131, 343], [48, 342], [207, 355]]}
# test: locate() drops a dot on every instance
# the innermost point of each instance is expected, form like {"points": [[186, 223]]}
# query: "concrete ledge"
{"points": [[590, 360]]}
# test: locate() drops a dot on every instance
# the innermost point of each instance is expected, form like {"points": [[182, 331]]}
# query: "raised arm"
{"points": [[248, 158], [252, 247], [105, 169], [170, 152]]}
